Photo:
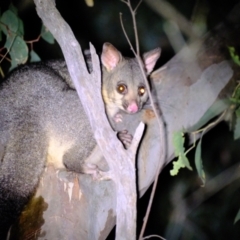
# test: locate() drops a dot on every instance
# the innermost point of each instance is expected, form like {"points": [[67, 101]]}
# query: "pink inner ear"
{"points": [[149, 64], [110, 56], [150, 59]]}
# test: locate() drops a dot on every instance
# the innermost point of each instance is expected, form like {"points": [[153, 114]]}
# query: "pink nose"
{"points": [[132, 107]]}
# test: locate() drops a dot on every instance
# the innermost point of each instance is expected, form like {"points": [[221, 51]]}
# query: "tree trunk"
{"points": [[74, 206]]}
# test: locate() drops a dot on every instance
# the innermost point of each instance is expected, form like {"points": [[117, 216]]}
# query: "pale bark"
{"points": [[79, 207]]}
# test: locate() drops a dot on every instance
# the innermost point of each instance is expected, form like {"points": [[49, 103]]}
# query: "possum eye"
{"points": [[141, 90], [122, 88]]}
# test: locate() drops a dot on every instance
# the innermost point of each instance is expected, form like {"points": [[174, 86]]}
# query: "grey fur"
{"points": [[124, 87], [42, 121], [38, 109]]}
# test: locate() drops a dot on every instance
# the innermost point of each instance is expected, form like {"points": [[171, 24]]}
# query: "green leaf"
{"points": [[10, 41], [235, 100], [217, 108], [182, 162], [34, 56], [10, 20], [18, 52], [236, 95], [198, 162], [13, 9], [14, 64], [234, 57], [46, 35], [237, 125], [237, 217], [20, 27], [11, 23], [178, 143]]}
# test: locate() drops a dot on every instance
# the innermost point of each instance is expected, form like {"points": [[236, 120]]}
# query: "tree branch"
{"points": [[86, 85], [194, 77], [159, 118]]}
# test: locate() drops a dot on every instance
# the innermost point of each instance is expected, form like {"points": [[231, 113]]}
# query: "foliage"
{"points": [[234, 56], [16, 47], [198, 161], [237, 216], [235, 99], [182, 162], [46, 35], [178, 138]]}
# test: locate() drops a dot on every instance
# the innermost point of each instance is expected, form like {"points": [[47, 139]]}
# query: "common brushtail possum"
{"points": [[123, 86], [43, 122], [123, 92]]}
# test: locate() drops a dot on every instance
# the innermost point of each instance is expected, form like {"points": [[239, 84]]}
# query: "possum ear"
{"points": [[150, 58], [110, 56]]}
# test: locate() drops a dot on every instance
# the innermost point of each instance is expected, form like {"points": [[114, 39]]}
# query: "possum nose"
{"points": [[132, 107]]}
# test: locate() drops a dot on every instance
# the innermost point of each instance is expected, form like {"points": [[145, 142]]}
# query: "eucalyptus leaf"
{"points": [[18, 52], [13, 9], [182, 162], [178, 143], [237, 125], [10, 41], [20, 27], [10, 20], [234, 56], [198, 162], [34, 56], [237, 217], [217, 108], [14, 64], [47, 35]]}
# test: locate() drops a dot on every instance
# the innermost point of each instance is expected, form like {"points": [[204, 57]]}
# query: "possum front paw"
{"points": [[125, 138], [92, 169], [118, 117]]}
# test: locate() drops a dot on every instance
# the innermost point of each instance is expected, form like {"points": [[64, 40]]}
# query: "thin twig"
{"points": [[33, 41], [8, 50], [133, 14], [156, 236], [163, 155], [136, 8], [6, 58], [1, 72], [212, 124], [160, 123]]}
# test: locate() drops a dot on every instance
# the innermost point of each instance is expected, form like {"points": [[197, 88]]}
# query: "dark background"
{"points": [[214, 218], [101, 23]]}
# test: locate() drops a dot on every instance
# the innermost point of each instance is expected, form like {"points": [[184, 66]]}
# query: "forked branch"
{"points": [[133, 14], [89, 90], [159, 119]]}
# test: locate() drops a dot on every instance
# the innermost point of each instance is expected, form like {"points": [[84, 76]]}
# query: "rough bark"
{"points": [[77, 207]]}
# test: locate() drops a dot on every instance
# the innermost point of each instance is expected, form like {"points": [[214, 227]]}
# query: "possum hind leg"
{"points": [[22, 162]]}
